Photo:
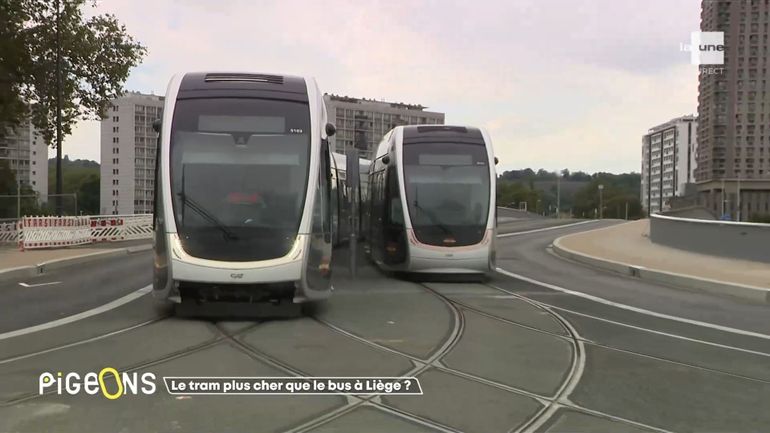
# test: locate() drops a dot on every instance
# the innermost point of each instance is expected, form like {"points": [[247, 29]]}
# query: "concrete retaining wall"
{"points": [[688, 282], [746, 241]]}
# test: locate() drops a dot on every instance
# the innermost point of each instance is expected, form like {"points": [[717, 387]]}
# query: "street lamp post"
{"points": [[18, 179], [601, 205], [558, 195], [723, 198], [738, 199]]}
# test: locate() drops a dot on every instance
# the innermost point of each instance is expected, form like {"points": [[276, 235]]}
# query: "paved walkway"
{"points": [[629, 243], [11, 257]]}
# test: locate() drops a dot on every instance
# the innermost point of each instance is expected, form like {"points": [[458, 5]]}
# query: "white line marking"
{"points": [[617, 418], [665, 334], [75, 317], [505, 235], [40, 284], [636, 309], [78, 343]]}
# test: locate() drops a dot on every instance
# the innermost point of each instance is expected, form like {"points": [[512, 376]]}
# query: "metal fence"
{"points": [[51, 232]]}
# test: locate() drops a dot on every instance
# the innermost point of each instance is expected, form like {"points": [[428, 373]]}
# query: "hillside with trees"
{"points": [[579, 192], [80, 176]]}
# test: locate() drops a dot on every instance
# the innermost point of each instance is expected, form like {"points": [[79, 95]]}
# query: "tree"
{"points": [[7, 178], [88, 195], [70, 68], [13, 63], [618, 190], [9, 190], [514, 193]]}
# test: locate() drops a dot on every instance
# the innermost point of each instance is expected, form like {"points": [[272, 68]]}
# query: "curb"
{"points": [[716, 287], [51, 265]]}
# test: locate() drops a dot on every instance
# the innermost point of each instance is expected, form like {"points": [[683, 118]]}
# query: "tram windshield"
{"points": [[239, 171], [447, 191]]}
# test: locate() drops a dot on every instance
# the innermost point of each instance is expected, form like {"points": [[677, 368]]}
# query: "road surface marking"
{"points": [[634, 309], [39, 284], [665, 334], [78, 343], [75, 317], [505, 235]]}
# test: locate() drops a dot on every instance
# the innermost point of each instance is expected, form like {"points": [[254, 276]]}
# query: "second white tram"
{"points": [[431, 202], [347, 197], [242, 197]]}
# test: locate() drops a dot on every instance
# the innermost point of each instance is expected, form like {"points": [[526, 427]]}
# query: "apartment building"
{"points": [[361, 123], [27, 155], [669, 153], [128, 150], [733, 173]]}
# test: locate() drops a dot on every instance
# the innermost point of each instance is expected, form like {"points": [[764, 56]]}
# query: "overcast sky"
{"points": [[558, 83]]}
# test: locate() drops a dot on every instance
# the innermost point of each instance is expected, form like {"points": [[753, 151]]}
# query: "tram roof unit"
{"points": [[432, 133], [238, 84]]}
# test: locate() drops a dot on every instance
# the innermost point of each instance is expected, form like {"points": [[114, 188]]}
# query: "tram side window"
{"points": [[394, 214], [380, 197], [327, 180], [157, 207], [396, 211]]}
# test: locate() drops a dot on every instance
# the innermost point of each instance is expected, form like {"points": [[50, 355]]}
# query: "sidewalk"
{"points": [[16, 264], [626, 248]]}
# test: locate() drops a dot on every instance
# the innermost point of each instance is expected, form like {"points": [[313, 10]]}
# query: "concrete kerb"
{"points": [[50, 265], [689, 282]]}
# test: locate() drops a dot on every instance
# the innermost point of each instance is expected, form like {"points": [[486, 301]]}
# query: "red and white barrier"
{"points": [[121, 227], [52, 232], [47, 232], [9, 232]]}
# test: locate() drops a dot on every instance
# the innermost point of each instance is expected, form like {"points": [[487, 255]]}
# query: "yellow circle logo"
{"points": [[115, 373]]}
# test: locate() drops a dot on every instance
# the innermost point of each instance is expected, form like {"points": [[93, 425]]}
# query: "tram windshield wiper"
{"points": [[432, 218], [192, 204]]}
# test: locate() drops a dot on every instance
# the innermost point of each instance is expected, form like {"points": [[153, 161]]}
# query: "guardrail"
{"points": [[738, 240], [51, 232]]}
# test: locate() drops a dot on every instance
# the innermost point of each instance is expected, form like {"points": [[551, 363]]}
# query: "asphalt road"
{"points": [[545, 345]]}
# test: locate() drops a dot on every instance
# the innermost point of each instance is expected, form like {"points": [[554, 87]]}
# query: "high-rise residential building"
{"points": [[128, 149], [733, 173], [27, 155], [361, 123], [668, 162]]}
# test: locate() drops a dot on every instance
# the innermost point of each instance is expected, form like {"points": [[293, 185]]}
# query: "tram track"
{"points": [[550, 404], [421, 365], [457, 308], [589, 342], [432, 361], [83, 341], [218, 338], [354, 401]]}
